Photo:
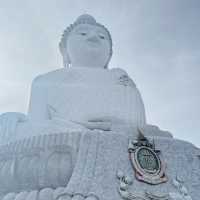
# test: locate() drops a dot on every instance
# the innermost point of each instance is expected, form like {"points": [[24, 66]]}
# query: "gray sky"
{"points": [[156, 42]]}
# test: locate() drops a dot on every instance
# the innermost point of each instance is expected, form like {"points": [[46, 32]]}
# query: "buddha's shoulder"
{"points": [[122, 76], [51, 76], [70, 74], [118, 71]]}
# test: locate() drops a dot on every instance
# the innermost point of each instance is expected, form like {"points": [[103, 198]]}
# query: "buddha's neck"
{"points": [[87, 66]]}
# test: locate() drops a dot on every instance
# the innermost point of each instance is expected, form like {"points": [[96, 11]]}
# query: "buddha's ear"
{"points": [[106, 66], [66, 60], [63, 51], [107, 63]]}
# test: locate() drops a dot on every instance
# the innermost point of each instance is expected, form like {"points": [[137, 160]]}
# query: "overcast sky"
{"points": [[157, 42]]}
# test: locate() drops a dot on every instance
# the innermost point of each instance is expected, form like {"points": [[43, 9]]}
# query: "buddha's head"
{"points": [[86, 43]]}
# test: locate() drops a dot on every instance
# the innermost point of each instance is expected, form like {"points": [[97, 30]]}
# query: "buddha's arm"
{"points": [[40, 112], [38, 100], [137, 110], [37, 110]]}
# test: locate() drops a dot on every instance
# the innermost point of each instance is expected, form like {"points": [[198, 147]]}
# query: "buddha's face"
{"points": [[88, 46]]}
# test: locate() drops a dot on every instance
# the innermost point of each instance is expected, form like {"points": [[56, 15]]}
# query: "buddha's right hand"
{"points": [[8, 123], [96, 123]]}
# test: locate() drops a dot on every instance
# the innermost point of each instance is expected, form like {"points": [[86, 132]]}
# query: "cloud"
{"points": [[13, 96]]}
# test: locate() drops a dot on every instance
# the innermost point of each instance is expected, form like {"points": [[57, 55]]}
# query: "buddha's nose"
{"points": [[93, 38]]}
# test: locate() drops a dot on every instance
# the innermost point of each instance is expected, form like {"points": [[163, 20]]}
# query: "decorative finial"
{"points": [[86, 18], [141, 135]]}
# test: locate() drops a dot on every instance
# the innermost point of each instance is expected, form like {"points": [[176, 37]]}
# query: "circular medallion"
{"points": [[147, 160]]}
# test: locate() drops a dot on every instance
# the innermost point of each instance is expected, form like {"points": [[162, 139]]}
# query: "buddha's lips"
{"points": [[93, 41], [93, 44], [93, 38]]}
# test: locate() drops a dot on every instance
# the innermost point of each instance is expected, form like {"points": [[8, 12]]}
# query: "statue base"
{"points": [[101, 155]]}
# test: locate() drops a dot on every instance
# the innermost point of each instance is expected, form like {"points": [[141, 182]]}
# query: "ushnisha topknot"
{"points": [[82, 19]]}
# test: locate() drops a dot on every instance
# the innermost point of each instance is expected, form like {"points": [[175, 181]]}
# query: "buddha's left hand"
{"points": [[102, 123]]}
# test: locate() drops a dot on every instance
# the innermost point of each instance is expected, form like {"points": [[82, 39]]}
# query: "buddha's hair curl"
{"points": [[83, 19]]}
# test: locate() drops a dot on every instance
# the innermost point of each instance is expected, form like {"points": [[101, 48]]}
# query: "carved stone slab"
{"points": [[148, 165]]}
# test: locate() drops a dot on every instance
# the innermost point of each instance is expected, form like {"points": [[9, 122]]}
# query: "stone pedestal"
{"points": [[47, 167]]}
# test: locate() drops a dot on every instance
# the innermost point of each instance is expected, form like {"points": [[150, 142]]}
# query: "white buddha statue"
{"points": [[79, 139], [83, 95]]}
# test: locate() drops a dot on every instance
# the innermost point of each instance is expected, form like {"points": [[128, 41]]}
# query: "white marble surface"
{"points": [[95, 177], [86, 93], [65, 98], [75, 135], [102, 154]]}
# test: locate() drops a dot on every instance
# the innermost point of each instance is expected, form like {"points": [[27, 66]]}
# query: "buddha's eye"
{"points": [[102, 37], [83, 33]]}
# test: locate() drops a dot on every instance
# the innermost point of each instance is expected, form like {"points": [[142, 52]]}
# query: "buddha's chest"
{"points": [[84, 94], [78, 101], [76, 76]]}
